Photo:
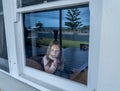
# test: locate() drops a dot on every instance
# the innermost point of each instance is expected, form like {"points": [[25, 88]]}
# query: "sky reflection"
{"points": [[51, 18]]}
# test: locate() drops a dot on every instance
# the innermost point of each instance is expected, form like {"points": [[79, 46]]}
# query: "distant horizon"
{"points": [[55, 26]]}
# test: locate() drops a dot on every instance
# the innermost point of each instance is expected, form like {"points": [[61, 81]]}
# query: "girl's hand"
{"points": [[53, 58], [55, 61]]}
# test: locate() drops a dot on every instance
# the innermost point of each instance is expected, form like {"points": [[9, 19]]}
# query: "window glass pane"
{"points": [[57, 41], [75, 41], [1, 9], [39, 30], [3, 48], [22, 3]]}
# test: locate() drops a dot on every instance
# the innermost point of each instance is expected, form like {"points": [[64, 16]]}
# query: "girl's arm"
{"points": [[49, 69]]}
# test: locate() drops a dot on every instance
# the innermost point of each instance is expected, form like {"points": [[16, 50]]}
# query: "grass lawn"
{"points": [[70, 43], [65, 43]]}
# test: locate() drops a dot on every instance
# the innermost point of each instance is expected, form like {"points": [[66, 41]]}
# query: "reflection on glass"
{"points": [[55, 49], [23, 3], [75, 40], [1, 8], [3, 48], [39, 33]]}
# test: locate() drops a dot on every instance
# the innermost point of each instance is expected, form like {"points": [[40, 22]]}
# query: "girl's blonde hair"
{"points": [[49, 49], [51, 44]]}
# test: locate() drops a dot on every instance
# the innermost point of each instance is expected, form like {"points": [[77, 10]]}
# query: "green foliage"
{"points": [[65, 43], [70, 43], [85, 29], [73, 19], [39, 25]]}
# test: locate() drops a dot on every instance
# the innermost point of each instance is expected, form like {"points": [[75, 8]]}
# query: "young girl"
{"points": [[52, 61]]}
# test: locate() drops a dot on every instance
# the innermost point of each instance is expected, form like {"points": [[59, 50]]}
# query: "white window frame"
{"points": [[30, 75]]}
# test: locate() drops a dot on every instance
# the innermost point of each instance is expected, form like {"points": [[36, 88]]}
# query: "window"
{"points": [[23, 3], [3, 48], [69, 27], [16, 22]]}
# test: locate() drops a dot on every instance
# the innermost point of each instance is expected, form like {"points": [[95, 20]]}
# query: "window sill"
{"points": [[39, 84]]}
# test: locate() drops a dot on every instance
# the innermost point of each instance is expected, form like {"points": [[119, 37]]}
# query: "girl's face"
{"points": [[54, 51]]}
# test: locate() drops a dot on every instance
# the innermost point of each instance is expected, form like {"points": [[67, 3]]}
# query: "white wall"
{"points": [[109, 58]]}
